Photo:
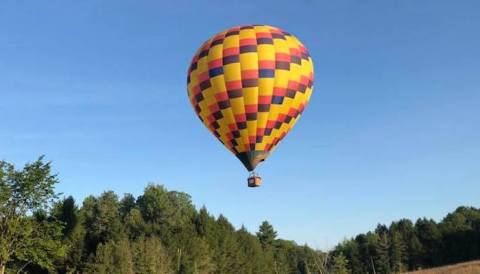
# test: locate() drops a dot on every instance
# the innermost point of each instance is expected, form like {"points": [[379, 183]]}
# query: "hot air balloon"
{"points": [[249, 85]]}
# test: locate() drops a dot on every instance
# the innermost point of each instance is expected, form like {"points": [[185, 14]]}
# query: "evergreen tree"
{"points": [[285, 257], [254, 259], [382, 260], [127, 203], [266, 234], [134, 225], [204, 223], [226, 247], [406, 231], [302, 267], [67, 213], [340, 265], [397, 252], [150, 257], [76, 257], [351, 251], [429, 235], [367, 250]]}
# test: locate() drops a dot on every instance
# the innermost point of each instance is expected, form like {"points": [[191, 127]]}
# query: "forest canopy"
{"points": [[161, 231]]}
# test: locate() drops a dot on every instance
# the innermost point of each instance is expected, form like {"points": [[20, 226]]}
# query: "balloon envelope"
{"points": [[249, 86]]}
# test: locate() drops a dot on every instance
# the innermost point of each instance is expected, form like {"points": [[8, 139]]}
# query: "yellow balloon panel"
{"points": [[249, 86]]}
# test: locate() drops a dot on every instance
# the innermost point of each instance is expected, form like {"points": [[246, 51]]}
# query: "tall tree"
{"points": [[253, 259], [226, 247], [66, 212], [127, 203], [340, 265], [351, 251], [266, 234], [382, 260], [204, 224], [397, 252], [112, 257], [101, 217], [413, 246], [429, 235], [166, 208], [23, 237], [150, 257]]}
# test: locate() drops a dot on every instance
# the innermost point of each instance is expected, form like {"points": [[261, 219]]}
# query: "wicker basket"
{"points": [[254, 181]]}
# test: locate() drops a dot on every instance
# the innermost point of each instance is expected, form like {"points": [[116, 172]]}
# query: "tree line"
{"points": [[405, 245], [161, 231]]}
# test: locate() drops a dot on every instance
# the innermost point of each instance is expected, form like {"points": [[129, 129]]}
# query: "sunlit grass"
{"points": [[472, 267]]}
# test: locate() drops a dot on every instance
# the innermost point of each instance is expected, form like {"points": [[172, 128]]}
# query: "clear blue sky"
{"points": [[392, 130]]}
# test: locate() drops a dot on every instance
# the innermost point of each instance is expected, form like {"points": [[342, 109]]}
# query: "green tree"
{"points": [[285, 257], [397, 252], [112, 257], [430, 236], [102, 220], [253, 259], [197, 257], [406, 232], [382, 260], [302, 267], [75, 260], [134, 225], [25, 238], [459, 237], [150, 257], [225, 246], [351, 251], [204, 223], [66, 212], [127, 203], [167, 208], [266, 234], [367, 250], [340, 265]]}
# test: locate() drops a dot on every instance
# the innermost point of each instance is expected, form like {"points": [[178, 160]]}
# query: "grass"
{"points": [[472, 267]]}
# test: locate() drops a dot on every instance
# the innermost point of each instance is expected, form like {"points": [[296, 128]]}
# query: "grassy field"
{"points": [[472, 267]]}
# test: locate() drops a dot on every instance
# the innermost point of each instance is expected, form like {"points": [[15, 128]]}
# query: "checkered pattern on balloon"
{"points": [[249, 85]]}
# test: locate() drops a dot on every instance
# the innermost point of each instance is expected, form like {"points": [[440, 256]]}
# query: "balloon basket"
{"points": [[254, 180]]}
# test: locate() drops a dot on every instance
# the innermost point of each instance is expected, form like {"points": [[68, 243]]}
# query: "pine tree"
{"points": [[126, 204], [266, 234], [67, 213], [397, 252], [351, 251], [429, 235], [253, 259], [204, 223], [406, 231], [302, 267], [340, 265], [382, 260]]}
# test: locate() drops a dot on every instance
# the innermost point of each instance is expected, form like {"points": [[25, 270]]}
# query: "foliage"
{"points": [[406, 246], [340, 265], [161, 231], [28, 234]]}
